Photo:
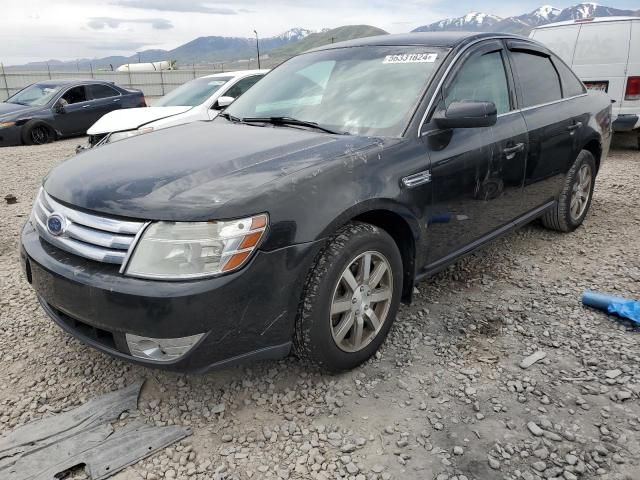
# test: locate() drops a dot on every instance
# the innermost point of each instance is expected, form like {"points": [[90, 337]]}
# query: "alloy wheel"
{"points": [[580, 192], [361, 301], [39, 135]]}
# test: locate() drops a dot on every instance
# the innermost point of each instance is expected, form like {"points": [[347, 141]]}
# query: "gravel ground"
{"points": [[446, 397]]}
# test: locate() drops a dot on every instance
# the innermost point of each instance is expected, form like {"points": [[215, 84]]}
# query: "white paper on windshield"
{"points": [[411, 58], [217, 83]]}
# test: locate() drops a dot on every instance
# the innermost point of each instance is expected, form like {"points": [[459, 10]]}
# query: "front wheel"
{"points": [[36, 133], [351, 298], [575, 198]]}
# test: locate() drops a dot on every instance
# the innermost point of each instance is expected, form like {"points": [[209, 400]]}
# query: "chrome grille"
{"points": [[95, 237]]}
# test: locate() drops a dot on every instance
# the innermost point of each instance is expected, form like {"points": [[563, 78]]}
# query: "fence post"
{"points": [[49, 70], [129, 72], [4, 76], [162, 82], [91, 68], [222, 67]]}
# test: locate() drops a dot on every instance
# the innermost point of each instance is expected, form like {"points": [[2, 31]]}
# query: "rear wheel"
{"points": [[575, 198], [36, 133], [351, 298]]}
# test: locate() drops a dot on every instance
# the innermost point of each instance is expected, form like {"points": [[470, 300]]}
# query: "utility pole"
{"points": [[257, 48]]}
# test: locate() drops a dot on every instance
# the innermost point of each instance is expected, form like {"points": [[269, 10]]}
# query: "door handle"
{"points": [[86, 106], [116, 99], [574, 127], [510, 152]]}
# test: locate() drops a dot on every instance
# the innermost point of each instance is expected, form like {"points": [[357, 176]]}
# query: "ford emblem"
{"points": [[56, 224]]}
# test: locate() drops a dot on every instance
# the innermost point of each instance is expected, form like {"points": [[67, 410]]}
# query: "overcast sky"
{"points": [[33, 30]]}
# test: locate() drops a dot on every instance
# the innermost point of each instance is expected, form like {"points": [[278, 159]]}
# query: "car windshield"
{"points": [[192, 93], [35, 95], [371, 90]]}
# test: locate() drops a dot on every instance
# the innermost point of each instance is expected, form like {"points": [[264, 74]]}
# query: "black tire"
{"points": [[314, 331], [560, 217], [36, 133]]}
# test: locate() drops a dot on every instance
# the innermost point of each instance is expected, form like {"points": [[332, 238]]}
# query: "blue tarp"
{"points": [[623, 307]]}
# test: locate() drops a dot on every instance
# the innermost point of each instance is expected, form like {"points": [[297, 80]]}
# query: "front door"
{"points": [[477, 173], [73, 119]]}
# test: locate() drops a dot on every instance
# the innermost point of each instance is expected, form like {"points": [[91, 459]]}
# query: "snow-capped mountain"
{"points": [[588, 10], [540, 16], [475, 21], [471, 21], [294, 34]]}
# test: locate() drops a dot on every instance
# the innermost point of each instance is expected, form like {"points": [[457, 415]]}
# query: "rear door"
{"points": [[601, 57], [550, 118], [104, 99], [477, 173]]}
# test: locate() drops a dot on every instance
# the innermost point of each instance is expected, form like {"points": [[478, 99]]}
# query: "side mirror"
{"points": [[467, 115], [58, 108], [223, 102]]}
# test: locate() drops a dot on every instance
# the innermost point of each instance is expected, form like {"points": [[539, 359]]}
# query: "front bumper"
{"points": [[10, 136], [246, 314]]}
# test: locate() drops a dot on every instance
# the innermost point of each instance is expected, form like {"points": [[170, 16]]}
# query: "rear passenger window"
{"points": [[493, 86], [539, 80], [571, 86], [98, 91]]}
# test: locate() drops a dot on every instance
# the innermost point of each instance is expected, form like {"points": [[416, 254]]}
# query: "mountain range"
{"points": [[218, 49], [522, 24]]}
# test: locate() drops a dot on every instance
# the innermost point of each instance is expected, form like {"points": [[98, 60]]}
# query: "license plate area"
{"points": [[599, 86]]}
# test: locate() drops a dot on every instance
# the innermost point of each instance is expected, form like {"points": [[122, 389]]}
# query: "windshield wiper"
{"points": [[291, 121], [230, 117]]}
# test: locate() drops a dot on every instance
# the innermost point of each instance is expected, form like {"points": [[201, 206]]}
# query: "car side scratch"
{"points": [[272, 322]]}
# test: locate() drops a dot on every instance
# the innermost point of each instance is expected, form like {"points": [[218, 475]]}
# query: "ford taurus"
{"points": [[302, 216]]}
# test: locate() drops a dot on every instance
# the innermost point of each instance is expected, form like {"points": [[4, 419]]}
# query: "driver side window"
{"points": [[74, 95], [482, 78]]}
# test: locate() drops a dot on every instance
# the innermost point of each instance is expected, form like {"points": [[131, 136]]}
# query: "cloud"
{"points": [[175, 6], [118, 46], [99, 23]]}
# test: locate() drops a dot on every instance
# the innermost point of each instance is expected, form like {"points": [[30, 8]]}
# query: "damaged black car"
{"points": [[301, 217]]}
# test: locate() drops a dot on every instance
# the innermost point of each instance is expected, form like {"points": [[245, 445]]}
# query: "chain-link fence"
{"points": [[153, 84]]}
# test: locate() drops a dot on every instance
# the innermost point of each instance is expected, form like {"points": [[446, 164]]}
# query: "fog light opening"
{"points": [[161, 349]]}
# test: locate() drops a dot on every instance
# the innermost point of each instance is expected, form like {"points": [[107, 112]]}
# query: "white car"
{"points": [[605, 54], [198, 99]]}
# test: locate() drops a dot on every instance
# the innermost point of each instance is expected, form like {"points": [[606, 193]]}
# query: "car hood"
{"points": [[9, 111], [188, 172], [132, 118]]}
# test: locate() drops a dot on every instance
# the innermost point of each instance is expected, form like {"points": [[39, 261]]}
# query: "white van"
{"points": [[605, 54]]}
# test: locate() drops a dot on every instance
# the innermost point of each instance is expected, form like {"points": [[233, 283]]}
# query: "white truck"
{"points": [[605, 54]]}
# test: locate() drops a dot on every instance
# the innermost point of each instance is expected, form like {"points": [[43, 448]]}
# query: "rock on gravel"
{"points": [[533, 358]]}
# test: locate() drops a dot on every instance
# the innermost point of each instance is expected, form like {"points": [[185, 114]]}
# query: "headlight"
{"points": [[7, 124], [116, 136], [184, 250]]}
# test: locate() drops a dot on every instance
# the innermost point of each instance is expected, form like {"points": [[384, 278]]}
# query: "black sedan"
{"points": [[46, 111], [303, 214]]}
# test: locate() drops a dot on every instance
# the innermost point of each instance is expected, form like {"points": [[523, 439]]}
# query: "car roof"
{"points": [[587, 21], [237, 73], [63, 82], [426, 39]]}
